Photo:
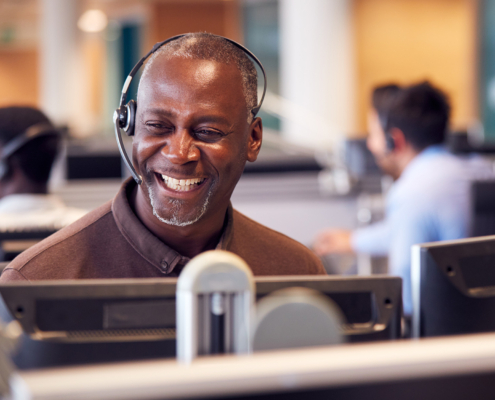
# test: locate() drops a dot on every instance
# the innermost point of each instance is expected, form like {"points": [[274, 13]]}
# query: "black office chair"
{"points": [[12, 243], [483, 208]]}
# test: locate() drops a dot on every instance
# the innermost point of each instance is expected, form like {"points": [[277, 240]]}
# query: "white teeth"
{"points": [[181, 184]]}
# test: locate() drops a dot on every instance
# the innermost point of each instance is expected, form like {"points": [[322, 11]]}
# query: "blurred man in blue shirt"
{"points": [[430, 198]]}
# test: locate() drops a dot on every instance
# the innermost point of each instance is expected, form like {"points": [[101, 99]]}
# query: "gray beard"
{"points": [[175, 208]]}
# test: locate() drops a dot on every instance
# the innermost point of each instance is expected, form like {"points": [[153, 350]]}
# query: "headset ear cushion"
{"points": [[131, 116], [390, 141]]}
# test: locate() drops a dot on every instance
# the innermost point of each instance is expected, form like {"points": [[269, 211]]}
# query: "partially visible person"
{"points": [[29, 144], [430, 198]]}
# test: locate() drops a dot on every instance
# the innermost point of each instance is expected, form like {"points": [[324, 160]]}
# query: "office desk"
{"points": [[292, 203], [87, 194]]}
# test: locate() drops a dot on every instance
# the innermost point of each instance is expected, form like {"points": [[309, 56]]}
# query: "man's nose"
{"points": [[180, 148]]}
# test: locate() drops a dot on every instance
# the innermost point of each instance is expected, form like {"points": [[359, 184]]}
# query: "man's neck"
{"points": [[188, 240], [406, 157]]}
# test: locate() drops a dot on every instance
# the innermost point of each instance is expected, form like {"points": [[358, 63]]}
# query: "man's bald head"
{"points": [[205, 46]]}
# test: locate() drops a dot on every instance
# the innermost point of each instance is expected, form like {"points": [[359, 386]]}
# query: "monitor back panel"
{"points": [[118, 320], [456, 288], [91, 321]]}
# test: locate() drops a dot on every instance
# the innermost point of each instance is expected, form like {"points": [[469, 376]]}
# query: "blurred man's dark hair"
{"points": [[422, 113], [35, 158], [382, 98]]}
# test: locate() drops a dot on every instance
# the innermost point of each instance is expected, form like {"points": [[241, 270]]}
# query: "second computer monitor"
{"points": [[453, 287]]}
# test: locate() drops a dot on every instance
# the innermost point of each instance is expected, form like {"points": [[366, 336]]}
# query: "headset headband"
{"points": [[123, 117], [11, 147], [33, 132]]}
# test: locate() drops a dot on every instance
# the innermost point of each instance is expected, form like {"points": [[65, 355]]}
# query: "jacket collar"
{"points": [[152, 249]]}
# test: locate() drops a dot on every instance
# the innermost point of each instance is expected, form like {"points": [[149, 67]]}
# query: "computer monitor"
{"points": [[15, 241], [453, 287], [482, 208], [88, 321], [461, 143], [359, 159]]}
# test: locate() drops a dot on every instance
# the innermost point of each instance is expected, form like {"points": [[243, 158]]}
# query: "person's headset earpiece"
{"points": [[124, 117], [127, 116], [389, 140], [19, 141]]}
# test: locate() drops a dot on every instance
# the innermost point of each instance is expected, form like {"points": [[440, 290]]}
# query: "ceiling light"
{"points": [[93, 21]]}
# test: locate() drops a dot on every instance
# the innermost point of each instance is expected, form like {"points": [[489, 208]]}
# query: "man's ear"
{"points": [[399, 139], [254, 140]]}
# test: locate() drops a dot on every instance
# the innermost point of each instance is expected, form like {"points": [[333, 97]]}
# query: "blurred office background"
{"points": [[71, 57]]}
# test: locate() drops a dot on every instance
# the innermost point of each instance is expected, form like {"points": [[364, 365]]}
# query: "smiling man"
{"points": [[194, 132]]}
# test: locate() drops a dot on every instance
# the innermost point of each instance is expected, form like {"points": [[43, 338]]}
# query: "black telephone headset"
{"points": [[124, 116], [389, 140], [11, 147]]}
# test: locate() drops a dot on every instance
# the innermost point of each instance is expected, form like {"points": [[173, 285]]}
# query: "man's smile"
{"points": [[180, 185]]}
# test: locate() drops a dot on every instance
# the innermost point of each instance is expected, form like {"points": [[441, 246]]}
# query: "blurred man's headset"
{"points": [[389, 140], [124, 116], [19, 141]]}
